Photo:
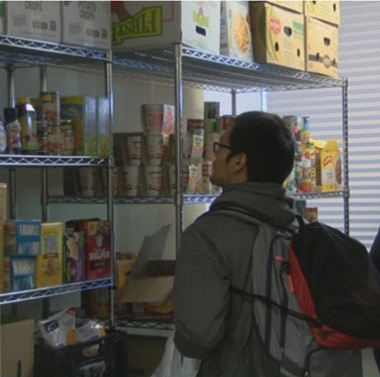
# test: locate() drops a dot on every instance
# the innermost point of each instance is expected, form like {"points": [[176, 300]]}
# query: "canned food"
{"points": [[50, 107]]}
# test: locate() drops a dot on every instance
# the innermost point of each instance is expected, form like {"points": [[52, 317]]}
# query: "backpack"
{"points": [[316, 299]]}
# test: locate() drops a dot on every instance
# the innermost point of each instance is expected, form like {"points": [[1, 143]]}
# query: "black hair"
{"points": [[268, 144]]}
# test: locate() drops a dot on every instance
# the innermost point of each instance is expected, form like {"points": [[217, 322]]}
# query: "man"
{"points": [[252, 160]]}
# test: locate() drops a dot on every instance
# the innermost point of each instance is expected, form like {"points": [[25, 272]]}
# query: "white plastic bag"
{"points": [[173, 364]]}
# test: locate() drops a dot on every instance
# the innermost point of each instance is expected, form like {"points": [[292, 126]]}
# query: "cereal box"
{"points": [[22, 273], [49, 266], [97, 249], [27, 237], [81, 110], [75, 257]]}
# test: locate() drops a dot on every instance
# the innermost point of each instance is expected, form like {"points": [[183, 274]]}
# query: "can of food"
{"points": [[51, 107], [54, 140], [68, 138], [42, 143]]}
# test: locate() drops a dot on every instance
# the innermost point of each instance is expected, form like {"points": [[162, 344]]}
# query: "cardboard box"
{"points": [[49, 264], [81, 110], [27, 237], [22, 273], [103, 126], [137, 24], [38, 20], [295, 6], [278, 35], [235, 30], [321, 47], [17, 347], [98, 249], [328, 11], [86, 23], [74, 257]]}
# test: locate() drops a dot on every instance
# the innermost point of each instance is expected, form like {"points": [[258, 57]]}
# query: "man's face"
{"points": [[222, 174]]}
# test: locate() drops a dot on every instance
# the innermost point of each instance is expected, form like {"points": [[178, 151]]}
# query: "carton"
{"points": [[278, 35], [321, 47], [39, 20], [86, 23], [74, 257], [328, 11], [27, 237], [103, 126], [295, 6], [98, 248], [17, 347], [156, 24], [81, 110], [22, 273], [149, 289], [235, 30], [49, 264], [331, 167]]}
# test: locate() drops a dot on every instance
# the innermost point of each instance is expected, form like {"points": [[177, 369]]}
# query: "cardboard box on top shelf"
{"points": [[39, 20], [151, 280], [295, 6], [278, 36], [328, 11], [81, 110], [86, 23], [235, 30], [17, 347], [155, 24], [321, 47]]}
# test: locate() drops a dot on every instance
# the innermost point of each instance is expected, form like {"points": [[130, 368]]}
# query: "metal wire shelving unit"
{"points": [[16, 53]]}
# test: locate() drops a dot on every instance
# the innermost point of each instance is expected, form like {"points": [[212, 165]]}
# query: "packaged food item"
{"points": [[13, 130], [331, 167], [28, 121]]}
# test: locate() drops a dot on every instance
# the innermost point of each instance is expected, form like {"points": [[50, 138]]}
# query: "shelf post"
{"points": [[178, 87], [345, 157]]}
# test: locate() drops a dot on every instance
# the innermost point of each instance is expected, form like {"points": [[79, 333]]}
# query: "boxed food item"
{"points": [[17, 346], [328, 11], [103, 126], [278, 35], [49, 264], [38, 20], [22, 273], [331, 167], [81, 110], [296, 6], [235, 30], [74, 257], [321, 47], [23, 237], [137, 24], [97, 246], [86, 23]]}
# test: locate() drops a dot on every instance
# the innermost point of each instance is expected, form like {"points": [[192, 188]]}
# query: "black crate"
{"points": [[110, 360]]}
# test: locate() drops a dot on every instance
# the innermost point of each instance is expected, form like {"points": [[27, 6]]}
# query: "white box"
{"points": [[235, 30], [155, 24], [86, 23], [39, 20]]}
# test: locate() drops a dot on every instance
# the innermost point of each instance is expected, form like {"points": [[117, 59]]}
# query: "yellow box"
{"points": [[328, 11], [331, 167], [278, 35], [49, 266], [81, 110], [296, 6], [321, 47]]}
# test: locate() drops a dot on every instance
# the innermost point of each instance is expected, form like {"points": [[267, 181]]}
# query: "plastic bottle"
{"points": [[27, 118], [3, 138], [13, 130]]}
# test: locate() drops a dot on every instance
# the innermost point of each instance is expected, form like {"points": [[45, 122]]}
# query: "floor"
{"points": [[369, 365]]}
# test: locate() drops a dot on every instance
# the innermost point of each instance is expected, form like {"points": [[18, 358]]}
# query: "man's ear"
{"points": [[240, 161]]}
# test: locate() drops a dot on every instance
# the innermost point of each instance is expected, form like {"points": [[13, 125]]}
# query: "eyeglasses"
{"points": [[216, 146]]}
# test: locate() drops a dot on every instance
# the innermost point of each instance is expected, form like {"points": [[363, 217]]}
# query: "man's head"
{"points": [[257, 147]]}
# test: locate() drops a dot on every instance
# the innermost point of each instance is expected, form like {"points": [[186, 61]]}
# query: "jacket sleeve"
{"points": [[200, 295]]}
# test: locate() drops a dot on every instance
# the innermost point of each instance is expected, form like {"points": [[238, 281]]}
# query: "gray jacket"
{"points": [[212, 323]]}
